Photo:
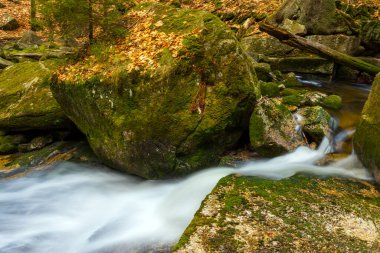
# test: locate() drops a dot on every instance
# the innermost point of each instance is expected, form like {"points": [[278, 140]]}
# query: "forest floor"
{"points": [[21, 9]]}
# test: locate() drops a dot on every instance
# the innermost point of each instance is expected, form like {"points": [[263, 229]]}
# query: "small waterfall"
{"points": [[76, 208]]}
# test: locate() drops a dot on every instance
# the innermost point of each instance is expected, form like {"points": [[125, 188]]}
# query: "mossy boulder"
{"points": [[302, 64], [370, 35], [26, 102], [332, 102], [176, 118], [9, 143], [298, 214], [268, 46], [315, 122], [367, 136], [272, 129], [270, 89], [318, 16], [342, 43]]}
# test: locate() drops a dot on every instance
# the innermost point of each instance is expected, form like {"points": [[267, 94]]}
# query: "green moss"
{"points": [[295, 100], [291, 80], [27, 102], [269, 89], [183, 115], [332, 102], [295, 208]]}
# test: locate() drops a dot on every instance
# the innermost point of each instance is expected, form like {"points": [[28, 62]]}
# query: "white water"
{"points": [[77, 208]]}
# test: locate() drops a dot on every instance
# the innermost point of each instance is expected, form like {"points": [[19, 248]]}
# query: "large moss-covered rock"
{"points": [[367, 136], [268, 46], [302, 64], [370, 35], [318, 16], [342, 43], [273, 129], [176, 118], [299, 214], [26, 102]]}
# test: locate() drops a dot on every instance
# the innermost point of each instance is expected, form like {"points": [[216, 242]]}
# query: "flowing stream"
{"points": [[78, 208]]}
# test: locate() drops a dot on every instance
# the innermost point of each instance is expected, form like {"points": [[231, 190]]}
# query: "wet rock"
{"points": [[367, 136], [176, 118], [18, 164], [332, 102], [273, 130], [342, 43], [300, 97], [36, 144], [9, 143], [8, 23], [26, 102], [315, 122], [298, 214], [291, 80], [29, 39]]}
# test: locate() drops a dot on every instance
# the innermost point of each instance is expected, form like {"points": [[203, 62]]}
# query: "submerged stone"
{"points": [[176, 118]]}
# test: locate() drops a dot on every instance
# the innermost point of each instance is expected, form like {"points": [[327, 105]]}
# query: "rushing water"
{"points": [[77, 208], [81, 208]]}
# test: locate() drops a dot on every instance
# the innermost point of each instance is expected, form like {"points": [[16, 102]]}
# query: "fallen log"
{"points": [[318, 49]]}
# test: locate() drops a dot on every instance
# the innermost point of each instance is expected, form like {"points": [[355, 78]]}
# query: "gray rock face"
{"points": [[29, 39], [318, 16], [273, 130], [267, 46], [342, 43], [8, 23], [294, 27]]}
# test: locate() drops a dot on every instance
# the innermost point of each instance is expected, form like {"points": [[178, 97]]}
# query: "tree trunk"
{"points": [[33, 15], [90, 22], [319, 49]]}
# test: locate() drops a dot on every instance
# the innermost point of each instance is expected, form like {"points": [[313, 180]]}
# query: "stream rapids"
{"points": [[81, 208], [72, 208]]}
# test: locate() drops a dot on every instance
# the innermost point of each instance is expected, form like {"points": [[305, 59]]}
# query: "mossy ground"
{"points": [[298, 214]]}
